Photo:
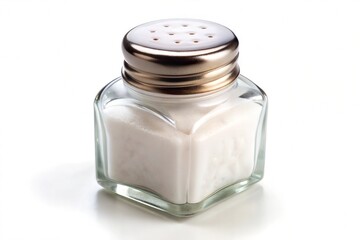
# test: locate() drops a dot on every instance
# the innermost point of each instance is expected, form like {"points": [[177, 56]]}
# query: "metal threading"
{"points": [[180, 56]]}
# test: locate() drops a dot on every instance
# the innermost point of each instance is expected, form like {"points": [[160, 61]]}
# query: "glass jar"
{"points": [[181, 129]]}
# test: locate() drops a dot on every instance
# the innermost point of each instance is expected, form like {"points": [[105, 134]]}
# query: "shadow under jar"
{"points": [[181, 129]]}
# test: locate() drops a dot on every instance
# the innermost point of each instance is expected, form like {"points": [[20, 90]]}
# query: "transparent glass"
{"points": [[180, 154]]}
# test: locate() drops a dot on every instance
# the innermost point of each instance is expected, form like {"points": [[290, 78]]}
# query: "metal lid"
{"points": [[180, 56]]}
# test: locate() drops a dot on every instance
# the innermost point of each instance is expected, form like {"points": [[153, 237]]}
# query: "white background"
{"points": [[56, 55]]}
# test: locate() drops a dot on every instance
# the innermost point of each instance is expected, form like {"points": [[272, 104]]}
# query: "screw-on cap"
{"points": [[180, 56]]}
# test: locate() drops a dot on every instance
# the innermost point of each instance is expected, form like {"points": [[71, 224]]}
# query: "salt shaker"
{"points": [[181, 129]]}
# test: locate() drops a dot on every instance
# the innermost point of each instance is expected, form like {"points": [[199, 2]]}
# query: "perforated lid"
{"points": [[180, 56]]}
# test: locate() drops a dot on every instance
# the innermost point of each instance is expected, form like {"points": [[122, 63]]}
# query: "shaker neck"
{"points": [[149, 96]]}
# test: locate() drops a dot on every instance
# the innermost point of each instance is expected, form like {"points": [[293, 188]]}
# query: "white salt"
{"points": [[202, 152]]}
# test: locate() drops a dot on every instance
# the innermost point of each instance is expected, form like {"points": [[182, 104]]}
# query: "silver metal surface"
{"points": [[180, 56]]}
